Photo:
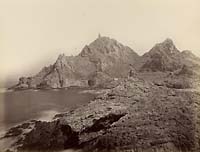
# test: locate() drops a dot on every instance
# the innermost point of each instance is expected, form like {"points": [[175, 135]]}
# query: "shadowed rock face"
{"points": [[49, 136], [104, 55], [103, 123]]}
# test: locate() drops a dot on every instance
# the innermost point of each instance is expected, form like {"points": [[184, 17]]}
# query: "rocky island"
{"points": [[104, 58], [147, 103]]}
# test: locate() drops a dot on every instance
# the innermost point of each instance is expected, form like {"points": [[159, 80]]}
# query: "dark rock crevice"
{"points": [[103, 123]]}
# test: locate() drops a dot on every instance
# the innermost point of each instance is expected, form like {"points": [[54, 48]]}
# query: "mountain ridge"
{"points": [[151, 103], [102, 55], [110, 58]]}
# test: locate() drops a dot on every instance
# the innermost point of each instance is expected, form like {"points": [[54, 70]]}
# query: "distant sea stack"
{"points": [[104, 56]]}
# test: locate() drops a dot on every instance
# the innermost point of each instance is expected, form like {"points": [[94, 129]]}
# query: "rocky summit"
{"points": [[105, 59], [104, 55], [162, 57], [166, 57], [145, 103]]}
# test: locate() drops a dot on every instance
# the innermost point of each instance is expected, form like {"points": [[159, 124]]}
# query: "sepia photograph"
{"points": [[99, 75]]}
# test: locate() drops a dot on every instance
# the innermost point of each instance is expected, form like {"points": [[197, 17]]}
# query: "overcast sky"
{"points": [[34, 32]]}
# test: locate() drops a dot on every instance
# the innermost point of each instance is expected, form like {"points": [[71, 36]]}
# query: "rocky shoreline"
{"points": [[135, 115], [145, 103]]}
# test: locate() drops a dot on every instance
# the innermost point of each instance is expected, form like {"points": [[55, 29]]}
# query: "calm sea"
{"points": [[19, 106]]}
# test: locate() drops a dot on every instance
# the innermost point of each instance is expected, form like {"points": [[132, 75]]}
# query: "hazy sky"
{"points": [[34, 32]]}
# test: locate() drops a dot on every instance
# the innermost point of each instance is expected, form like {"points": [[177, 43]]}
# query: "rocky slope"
{"points": [[135, 115], [104, 56], [165, 65], [105, 59], [162, 57], [166, 57], [149, 103]]}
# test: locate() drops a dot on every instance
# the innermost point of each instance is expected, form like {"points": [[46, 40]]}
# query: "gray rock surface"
{"points": [[104, 55], [106, 59], [149, 103], [166, 57], [50, 135], [134, 115]]}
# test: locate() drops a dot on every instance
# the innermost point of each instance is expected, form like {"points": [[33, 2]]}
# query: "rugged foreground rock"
{"points": [[148, 103], [135, 115]]}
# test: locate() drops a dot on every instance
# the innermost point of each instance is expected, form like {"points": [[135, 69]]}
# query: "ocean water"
{"points": [[19, 106]]}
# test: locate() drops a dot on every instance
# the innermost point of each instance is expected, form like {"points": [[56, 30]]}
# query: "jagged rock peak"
{"points": [[162, 57], [61, 57], [169, 47], [103, 40], [168, 41], [104, 45], [166, 47], [60, 60]]}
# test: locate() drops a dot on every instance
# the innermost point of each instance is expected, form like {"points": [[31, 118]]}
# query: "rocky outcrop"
{"points": [[162, 57], [42, 136], [151, 104], [50, 135], [157, 119], [186, 77], [166, 57], [104, 55], [134, 115], [104, 60]]}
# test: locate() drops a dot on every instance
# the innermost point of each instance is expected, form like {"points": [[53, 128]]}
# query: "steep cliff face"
{"points": [[104, 55]]}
